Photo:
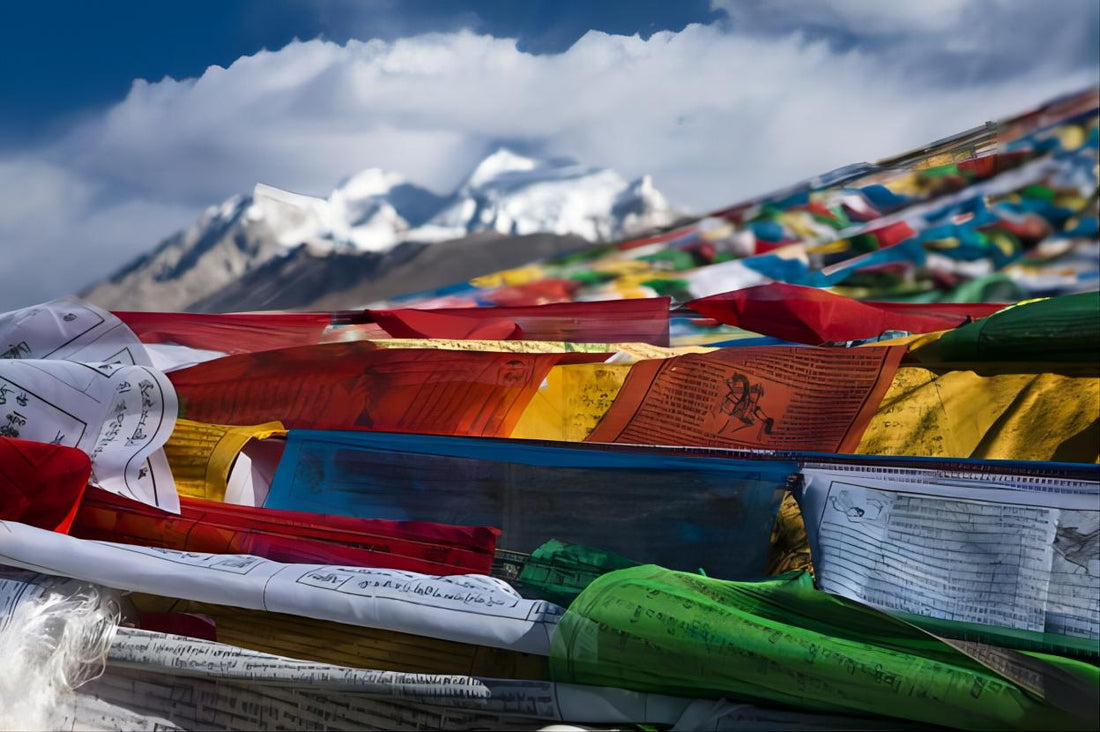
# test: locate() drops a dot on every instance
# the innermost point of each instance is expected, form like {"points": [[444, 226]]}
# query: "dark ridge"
{"points": [[302, 280], [447, 263], [210, 238], [299, 277]]}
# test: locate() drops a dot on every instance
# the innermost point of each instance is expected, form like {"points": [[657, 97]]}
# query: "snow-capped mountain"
{"points": [[375, 211], [513, 194]]}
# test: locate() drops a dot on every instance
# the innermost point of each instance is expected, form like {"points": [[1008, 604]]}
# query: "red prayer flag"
{"points": [[229, 333], [641, 320], [41, 484], [772, 398], [412, 323], [891, 234], [612, 321], [540, 292], [814, 316], [358, 386], [657, 238], [289, 536], [189, 625]]}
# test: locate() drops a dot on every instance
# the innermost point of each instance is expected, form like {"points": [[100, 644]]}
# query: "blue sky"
{"points": [[121, 121], [90, 58]]}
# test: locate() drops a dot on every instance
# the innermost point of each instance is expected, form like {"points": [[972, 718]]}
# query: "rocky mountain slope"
{"points": [[277, 249]]}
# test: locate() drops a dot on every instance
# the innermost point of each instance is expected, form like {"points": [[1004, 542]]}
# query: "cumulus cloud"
{"points": [[59, 229], [715, 113], [992, 25]]}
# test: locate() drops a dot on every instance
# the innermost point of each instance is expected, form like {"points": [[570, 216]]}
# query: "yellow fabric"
{"points": [[633, 282], [720, 231], [571, 402], [201, 454], [628, 290], [1072, 137], [790, 547], [445, 344], [509, 277], [623, 267], [996, 412], [830, 247], [988, 411], [629, 352], [701, 341]]}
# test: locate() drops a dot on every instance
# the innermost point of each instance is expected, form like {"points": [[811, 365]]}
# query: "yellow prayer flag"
{"points": [[201, 454], [994, 412], [571, 402]]}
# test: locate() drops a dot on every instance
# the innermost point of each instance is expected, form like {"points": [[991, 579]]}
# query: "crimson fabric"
{"points": [[231, 333], [189, 625], [640, 320], [359, 386], [289, 536], [891, 234], [643, 320], [433, 324], [40, 484], [656, 239], [539, 292], [755, 397], [809, 315]]}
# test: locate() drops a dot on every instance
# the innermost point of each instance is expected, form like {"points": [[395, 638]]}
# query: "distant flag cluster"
{"points": [[824, 459]]}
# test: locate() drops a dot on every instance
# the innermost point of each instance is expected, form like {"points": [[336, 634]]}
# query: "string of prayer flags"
{"points": [[359, 386], [209, 527], [767, 397], [810, 315], [828, 458]]}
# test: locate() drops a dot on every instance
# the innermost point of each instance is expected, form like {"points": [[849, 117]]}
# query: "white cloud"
{"points": [[954, 42], [715, 115], [57, 232], [856, 16]]}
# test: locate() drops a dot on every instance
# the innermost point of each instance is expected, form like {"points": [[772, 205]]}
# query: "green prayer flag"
{"points": [[781, 641], [1065, 328], [559, 571]]}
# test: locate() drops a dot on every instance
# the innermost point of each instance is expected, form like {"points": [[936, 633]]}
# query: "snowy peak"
{"points": [[373, 212], [500, 163], [368, 212], [513, 194], [292, 217], [507, 193], [641, 206], [370, 183]]}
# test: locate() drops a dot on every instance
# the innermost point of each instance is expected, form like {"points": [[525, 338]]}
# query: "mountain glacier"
{"points": [[513, 194], [376, 211]]}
